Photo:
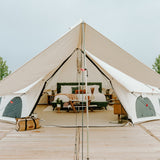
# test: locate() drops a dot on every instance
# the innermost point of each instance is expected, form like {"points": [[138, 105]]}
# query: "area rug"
{"points": [[48, 109]]}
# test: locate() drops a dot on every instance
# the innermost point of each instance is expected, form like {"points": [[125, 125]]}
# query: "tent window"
{"points": [[13, 108], [144, 107], [159, 101]]}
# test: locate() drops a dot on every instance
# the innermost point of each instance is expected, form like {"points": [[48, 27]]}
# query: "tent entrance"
{"points": [[67, 76]]}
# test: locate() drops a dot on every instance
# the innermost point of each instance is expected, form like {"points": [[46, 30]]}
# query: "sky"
{"points": [[27, 27]]}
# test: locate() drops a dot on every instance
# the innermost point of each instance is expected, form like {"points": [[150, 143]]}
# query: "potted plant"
{"points": [[59, 103]]}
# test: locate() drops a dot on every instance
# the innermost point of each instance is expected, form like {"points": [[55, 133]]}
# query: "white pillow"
{"points": [[88, 89], [66, 89], [96, 89]]}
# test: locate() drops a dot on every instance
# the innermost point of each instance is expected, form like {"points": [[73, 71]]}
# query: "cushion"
{"points": [[96, 89], [81, 91], [92, 90]]}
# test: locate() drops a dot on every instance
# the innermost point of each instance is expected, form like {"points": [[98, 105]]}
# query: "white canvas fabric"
{"points": [[128, 90], [128, 101], [130, 78], [26, 89], [110, 53], [45, 62], [126, 81]]}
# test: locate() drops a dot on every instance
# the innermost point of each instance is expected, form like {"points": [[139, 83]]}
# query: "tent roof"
{"points": [[110, 53], [48, 60], [45, 62]]}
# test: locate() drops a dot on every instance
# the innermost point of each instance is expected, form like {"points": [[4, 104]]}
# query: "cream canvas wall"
{"points": [[68, 73]]}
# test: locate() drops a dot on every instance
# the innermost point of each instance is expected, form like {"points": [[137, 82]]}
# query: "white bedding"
{"points": [[97, 97]]}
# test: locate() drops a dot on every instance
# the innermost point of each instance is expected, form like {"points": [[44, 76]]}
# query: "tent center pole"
{"points": [[85, 78]]}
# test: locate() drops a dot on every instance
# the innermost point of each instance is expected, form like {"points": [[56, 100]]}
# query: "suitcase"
{"points": [[27, 123]]}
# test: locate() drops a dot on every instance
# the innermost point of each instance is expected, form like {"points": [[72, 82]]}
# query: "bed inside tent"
{"points": [[67, 88]]}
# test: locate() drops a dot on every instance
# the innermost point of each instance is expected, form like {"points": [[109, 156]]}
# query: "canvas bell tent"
{"points": [[135, 84]]}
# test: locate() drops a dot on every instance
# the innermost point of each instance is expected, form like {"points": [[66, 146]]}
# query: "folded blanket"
{"points": [[71, 97]]}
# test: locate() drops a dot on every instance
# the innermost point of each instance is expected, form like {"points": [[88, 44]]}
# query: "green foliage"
{"points": [[156, 65], [59, 101], [4, 72]]}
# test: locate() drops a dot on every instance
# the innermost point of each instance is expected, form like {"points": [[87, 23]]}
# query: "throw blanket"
{"points": [[72, 97]]}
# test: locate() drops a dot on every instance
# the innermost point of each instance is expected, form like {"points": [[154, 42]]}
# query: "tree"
{"points": [[156, 65], [4, 72]]}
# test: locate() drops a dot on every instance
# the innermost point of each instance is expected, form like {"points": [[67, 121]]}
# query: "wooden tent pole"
{"points": [[85, 78]]}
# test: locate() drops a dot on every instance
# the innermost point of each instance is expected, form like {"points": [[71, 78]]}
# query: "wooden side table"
{"points": [[108, 96], [118, 109], [50, 99]]}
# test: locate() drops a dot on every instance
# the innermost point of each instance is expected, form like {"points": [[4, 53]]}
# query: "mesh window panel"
{"points": [[144, 107], [13, 108]]}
